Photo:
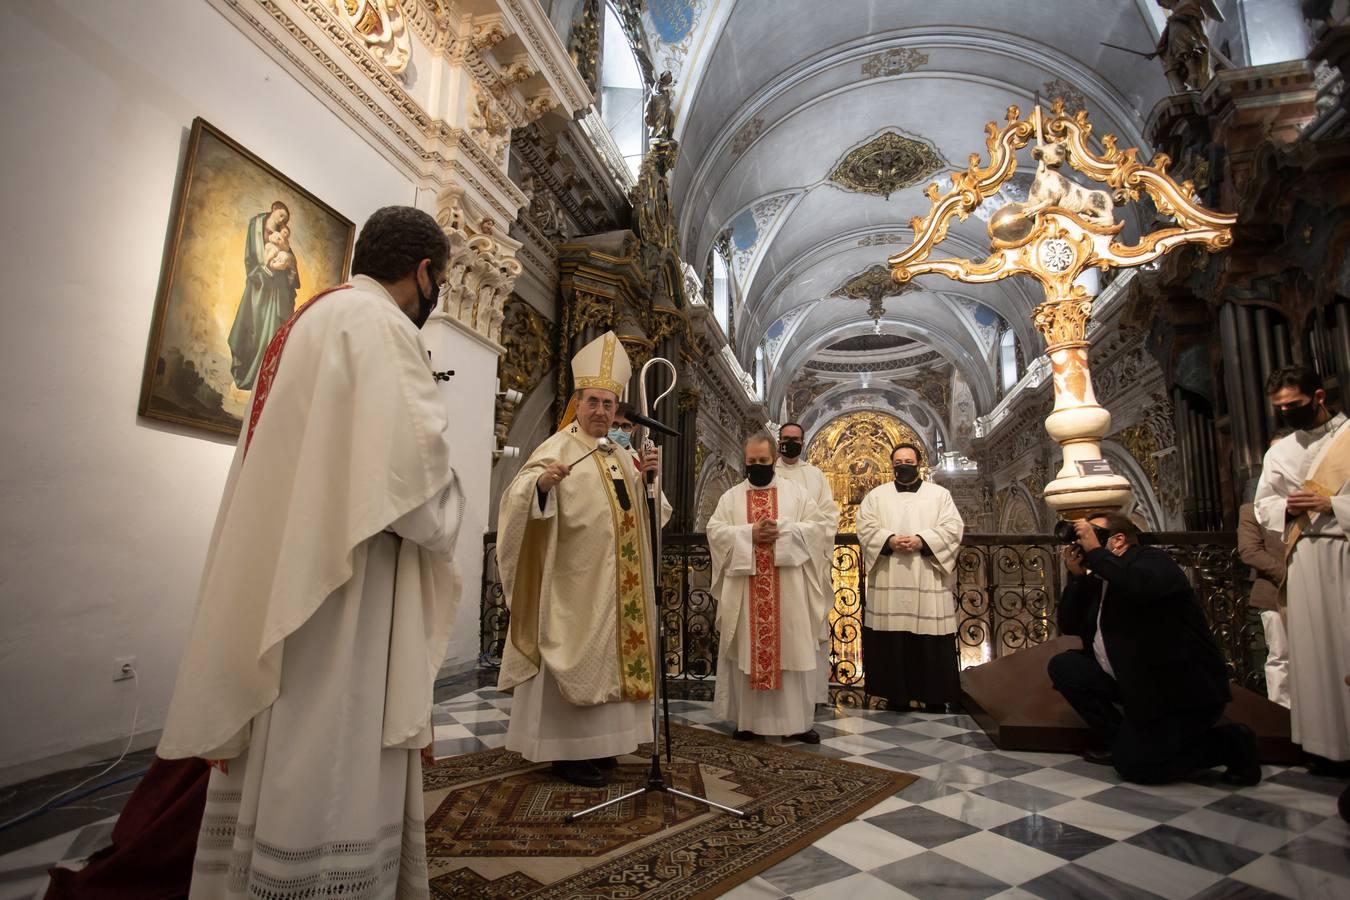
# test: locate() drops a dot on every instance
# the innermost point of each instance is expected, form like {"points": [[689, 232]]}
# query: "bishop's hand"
{"points": [[552, 474], [651, 459]]}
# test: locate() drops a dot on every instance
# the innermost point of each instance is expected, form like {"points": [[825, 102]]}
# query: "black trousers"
{"points": [[1153, 751]]}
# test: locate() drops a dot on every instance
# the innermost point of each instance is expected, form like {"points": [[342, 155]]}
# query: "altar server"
{"points": [[910, 533], [1304, 492]]}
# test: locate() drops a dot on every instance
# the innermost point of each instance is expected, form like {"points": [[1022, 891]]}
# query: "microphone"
{"points": [[646, 422]]}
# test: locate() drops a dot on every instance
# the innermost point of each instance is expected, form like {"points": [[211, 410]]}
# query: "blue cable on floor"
{"points": [[66, 801]]}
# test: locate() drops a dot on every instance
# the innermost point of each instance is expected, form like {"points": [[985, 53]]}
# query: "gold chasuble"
{"points": [[578, 582], [576, 561], [766, 670]]}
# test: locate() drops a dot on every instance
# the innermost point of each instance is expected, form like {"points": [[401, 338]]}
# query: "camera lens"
{"points": [[1065, 532]]}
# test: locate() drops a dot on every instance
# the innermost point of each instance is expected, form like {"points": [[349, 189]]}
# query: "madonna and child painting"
{"points": [[246, 246]]}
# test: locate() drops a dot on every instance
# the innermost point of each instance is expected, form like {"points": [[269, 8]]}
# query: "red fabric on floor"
{"points": [[154, 840]]}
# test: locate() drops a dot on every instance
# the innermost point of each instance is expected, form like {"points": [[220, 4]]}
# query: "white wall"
{"points": [[104, 518], [469, 396]]}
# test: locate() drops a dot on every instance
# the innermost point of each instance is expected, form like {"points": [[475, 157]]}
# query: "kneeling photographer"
{"points": [[1150, 681]]}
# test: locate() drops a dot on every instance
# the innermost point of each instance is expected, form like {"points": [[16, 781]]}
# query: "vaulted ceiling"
{"points": [[809, 130]]}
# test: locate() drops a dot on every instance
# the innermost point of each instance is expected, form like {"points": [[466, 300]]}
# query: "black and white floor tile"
{"points": [[978, 823]]}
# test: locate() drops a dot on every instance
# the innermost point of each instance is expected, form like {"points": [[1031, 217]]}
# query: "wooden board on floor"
{"points": [[1013, 701]]}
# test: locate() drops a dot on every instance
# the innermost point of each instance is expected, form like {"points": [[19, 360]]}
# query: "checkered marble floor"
{"points": [[984, 823], [978, 822]]}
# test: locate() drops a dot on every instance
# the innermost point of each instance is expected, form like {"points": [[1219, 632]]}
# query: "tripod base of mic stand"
{"points": [[655, 784]]}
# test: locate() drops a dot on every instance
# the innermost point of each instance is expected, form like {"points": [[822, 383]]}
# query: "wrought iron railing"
{"points": [[1006, 592]]}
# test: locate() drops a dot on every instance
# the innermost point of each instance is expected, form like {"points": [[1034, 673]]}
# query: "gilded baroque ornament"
{"points": [[897, 61], [528, 338], [746, 136], [885, 164], [883, 239], [379, 24], [1062, 230], [1060, 91], [854, 452], [872, 283]]}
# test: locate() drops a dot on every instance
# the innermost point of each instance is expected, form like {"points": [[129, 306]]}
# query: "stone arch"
{"points": [[714, 480], [1020, 512]]}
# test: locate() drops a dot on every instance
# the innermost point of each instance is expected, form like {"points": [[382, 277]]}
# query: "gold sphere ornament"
{"points": [[1010, 225]]}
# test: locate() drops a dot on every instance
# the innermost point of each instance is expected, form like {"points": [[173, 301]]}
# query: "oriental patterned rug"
{"points": [[496, 829]]}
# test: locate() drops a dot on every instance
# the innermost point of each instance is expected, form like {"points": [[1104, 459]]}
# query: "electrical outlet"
{"points": [[122, 667]]}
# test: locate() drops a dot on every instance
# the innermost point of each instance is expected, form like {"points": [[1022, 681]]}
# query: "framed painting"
{"points": [[247, 246]]}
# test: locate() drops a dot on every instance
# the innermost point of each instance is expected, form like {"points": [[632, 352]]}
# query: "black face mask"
{"points": [[905, 473], [425, 304], [790, 447], [759, 474], [1299, 418]]}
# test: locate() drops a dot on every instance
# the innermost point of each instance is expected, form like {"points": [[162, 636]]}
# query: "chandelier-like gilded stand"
{"points": [[1060, 232]]}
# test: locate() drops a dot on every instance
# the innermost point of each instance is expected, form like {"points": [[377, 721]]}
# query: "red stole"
{"points": [[267, 373], [766, 650]]}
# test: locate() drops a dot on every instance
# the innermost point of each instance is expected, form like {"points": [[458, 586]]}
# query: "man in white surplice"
{"points": [[766, 538], [328, 595], [812, 481], [910, 532], [1304, 492]]}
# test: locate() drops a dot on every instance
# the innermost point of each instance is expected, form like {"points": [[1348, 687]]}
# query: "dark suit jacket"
{"points": [[1263, 550], [1165, 659]]}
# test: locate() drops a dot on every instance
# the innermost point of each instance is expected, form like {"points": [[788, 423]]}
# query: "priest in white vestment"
{"points": [[791, 467], [766, 536], [328, 595], [574, 550], [1304, 492], [910, 532]]}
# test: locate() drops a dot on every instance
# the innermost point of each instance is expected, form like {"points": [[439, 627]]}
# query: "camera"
{"points": [[1065, 533]]}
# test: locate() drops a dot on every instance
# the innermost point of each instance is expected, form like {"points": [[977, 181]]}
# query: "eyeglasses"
{"points": [[597, 403], [624, 426]]}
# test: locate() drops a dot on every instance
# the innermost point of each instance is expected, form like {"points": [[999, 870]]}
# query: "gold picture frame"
{"points": [[213, 316]]}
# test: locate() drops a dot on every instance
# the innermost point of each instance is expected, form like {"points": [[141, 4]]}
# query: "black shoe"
{"points": [[1243, 768], [810, 736], [604, 763], [580, 772], [1099, 757], [1329, 768], [744, 735]]}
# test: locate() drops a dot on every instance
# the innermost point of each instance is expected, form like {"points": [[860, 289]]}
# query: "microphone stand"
{"points": [[656, 781]]}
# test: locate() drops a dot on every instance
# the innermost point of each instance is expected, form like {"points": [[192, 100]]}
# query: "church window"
{"points": [[622, 92]]}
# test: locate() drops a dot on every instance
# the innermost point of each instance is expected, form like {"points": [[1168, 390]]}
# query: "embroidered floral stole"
{"points": [[630, 574], [766, 650]]}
